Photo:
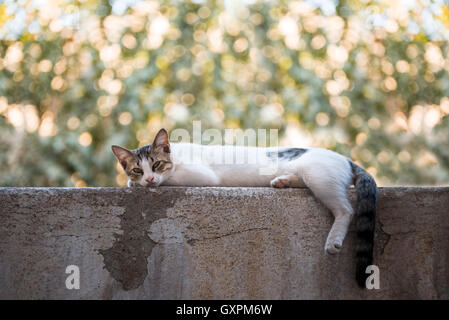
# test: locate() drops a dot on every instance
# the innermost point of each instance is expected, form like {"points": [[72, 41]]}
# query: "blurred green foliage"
{"points": [[375, 93]]}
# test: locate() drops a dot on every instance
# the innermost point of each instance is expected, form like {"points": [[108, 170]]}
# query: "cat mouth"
{"points": [[152, 185]]}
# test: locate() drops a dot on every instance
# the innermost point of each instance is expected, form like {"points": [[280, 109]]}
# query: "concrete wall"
{"points": [[250, 243]]}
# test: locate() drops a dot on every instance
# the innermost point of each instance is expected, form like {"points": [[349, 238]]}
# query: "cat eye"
{"points": [[137, 170], [155, 165]]}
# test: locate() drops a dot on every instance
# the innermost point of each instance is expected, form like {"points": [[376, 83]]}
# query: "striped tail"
{"points": [[366, 190]]}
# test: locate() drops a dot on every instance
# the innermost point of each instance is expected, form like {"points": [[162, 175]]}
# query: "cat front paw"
{"points": [[280, 183]]}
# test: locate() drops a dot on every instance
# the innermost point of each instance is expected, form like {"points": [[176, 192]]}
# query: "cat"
{"points": [[326, 173]]}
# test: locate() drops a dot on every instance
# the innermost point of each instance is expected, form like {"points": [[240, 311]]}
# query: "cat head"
{"points": [[149, 165]]}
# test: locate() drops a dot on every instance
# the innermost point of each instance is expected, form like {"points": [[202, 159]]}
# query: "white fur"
{"points": [[207, 166], [326, 173]]}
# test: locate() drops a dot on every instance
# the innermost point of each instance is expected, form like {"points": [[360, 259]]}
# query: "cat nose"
{"points": [[149, 180]]}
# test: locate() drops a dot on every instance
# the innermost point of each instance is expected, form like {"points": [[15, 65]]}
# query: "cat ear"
{"points": [[161, 141], [123, 155]]}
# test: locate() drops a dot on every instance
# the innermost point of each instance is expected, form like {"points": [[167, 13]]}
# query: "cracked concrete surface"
{"points": [[210, 243]]}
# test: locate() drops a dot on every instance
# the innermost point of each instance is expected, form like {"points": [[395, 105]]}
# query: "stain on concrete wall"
{"points": [[126, 260]]}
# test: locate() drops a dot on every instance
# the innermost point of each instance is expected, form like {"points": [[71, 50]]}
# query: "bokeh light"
{"points": [[368, 79]]}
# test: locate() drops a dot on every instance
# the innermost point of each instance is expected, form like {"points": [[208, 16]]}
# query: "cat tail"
{"points": [[366, 190]]}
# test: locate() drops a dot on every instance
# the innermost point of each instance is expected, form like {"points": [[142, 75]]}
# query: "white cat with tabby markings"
{"points": [[326, 173]]}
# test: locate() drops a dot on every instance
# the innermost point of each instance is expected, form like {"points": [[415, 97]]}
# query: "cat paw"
{"points": [[279, 183], [333, 246]]}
